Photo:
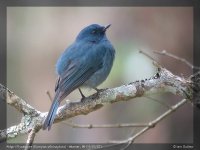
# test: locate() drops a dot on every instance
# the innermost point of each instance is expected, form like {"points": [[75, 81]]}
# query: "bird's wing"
{"points": [[77, 73]]}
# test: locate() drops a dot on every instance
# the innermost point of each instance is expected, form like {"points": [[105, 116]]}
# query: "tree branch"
{"points": [[30, 139], [119, 125], [17, 102], [162, 81], [165, 53], [153, 123]]}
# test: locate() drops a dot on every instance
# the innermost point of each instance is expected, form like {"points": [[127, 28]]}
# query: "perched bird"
{"points": [[87, 62]]}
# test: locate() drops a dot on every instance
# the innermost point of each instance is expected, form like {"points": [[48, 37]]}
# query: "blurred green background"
{"points": [[36, 36]]}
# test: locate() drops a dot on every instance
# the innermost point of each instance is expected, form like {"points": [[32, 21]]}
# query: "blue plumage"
{"points": [[87, 62]]}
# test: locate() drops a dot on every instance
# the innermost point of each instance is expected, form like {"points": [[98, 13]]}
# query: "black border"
{"points": [[99, 2], [112, 3]]}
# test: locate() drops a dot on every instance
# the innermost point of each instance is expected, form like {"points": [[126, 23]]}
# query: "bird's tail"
{"points": [[51, 115]]}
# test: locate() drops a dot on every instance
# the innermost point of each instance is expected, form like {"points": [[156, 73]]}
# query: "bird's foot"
{"points": [[98, 90], [82, 99]]}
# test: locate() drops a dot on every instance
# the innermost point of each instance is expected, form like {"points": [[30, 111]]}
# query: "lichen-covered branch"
{"points": [[17, 102], [30, 139], [162, 81]]}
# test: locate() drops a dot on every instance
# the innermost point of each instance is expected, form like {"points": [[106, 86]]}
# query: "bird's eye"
{"points": [[94, 32]]}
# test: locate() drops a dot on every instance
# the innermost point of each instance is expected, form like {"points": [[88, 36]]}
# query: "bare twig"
{"points": [[128, 144], [164, 52], [146, 54], [30, 139], [154, 122], [150, 57], [49, 95], [120, 125]]}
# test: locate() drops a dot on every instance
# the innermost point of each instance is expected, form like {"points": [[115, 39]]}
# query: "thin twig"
{"points": [[49, 95], [165, 53], [150, 57], [128, 144], [143, 52], [154, 122], [90, 126], [30, 139]]}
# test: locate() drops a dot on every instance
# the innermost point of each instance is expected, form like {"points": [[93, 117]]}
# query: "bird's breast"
{"points": [[99, 76]]}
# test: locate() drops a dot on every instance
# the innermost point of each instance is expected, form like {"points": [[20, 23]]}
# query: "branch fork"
{"points": [[162, 81]]}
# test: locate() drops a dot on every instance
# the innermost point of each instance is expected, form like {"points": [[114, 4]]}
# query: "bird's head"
{"points": [[92, 33]]}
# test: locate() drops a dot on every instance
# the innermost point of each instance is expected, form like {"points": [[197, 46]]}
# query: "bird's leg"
{"points": [[83, 96]]}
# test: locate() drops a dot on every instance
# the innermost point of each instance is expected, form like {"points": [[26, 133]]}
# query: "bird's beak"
{"points": [[106, 27]]}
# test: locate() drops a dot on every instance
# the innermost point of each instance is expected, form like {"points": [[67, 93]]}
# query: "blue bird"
{"points": [[85, 63]]}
